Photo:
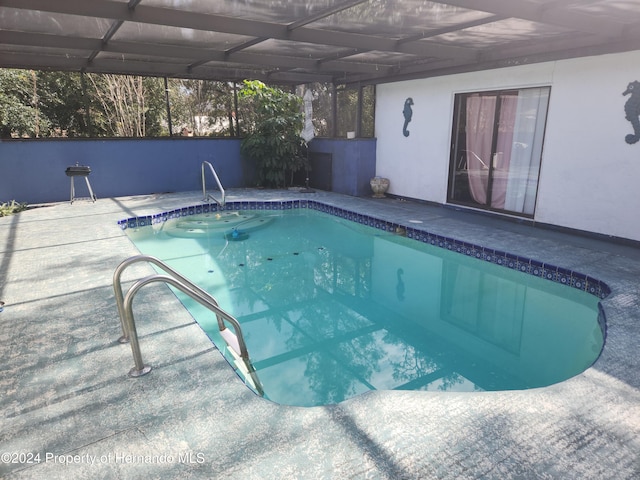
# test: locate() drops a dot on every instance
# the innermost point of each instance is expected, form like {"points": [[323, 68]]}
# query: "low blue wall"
{"points": [[353, 163], [33, 171]]}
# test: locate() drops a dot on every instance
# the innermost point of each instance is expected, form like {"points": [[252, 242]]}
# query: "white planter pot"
{"points": [[379, 185]]}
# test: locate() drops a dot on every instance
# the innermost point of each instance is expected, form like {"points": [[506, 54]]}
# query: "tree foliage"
{"points": [[203, 107], [71, 104], [273, 120], [61, 102], [346, 116], [53, 104], [17, 111], [130, 106]]}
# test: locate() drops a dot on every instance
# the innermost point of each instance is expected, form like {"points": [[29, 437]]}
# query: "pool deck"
{"points": [[68, 406]]}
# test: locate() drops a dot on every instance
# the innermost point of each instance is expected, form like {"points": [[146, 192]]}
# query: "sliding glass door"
{"points": [[497, 146]]}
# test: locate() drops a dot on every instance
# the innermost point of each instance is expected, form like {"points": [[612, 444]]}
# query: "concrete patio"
{"points": [[69, 410]]}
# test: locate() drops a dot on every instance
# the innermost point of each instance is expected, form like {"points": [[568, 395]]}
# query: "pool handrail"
{"points": [[234, 340], [206, 196], [117, 284]]}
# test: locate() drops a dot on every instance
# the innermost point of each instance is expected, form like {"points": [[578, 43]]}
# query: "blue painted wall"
{"points": [[354, 163], [32, 171]]}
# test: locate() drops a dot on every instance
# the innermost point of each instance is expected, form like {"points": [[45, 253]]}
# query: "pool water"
{"points": [[331, 309]]}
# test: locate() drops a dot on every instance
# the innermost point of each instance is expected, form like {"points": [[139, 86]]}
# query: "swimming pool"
{"points": [[334, 304]]}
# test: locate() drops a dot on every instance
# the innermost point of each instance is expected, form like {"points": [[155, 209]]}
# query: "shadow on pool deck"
{"points": [[69, 409]]}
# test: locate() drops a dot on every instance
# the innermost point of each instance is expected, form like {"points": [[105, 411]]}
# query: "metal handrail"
{"points": [[117, 284], [205, 195], [234, 340]]}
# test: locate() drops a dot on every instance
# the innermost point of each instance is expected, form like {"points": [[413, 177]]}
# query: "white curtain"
{"points": [[528, 132]]}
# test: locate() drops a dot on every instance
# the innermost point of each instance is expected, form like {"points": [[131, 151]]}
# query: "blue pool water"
{"points": [[331, 309]]}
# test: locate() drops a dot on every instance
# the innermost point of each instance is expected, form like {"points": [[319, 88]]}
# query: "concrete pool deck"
{"points": [[69, 410]]}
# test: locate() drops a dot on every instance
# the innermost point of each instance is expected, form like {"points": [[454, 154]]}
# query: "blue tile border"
{"points": [[526, 265]]}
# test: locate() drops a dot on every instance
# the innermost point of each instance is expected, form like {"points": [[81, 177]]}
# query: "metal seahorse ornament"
{"points": [[632, 111], [408, 113]]}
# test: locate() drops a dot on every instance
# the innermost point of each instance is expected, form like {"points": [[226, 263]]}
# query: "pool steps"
{"points": [[225, 222], [234, 339]]}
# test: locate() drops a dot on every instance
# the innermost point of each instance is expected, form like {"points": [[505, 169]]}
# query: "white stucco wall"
{"points": [[589, 175]]}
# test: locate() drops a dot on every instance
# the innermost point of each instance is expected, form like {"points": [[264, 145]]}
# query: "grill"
{"points": [[80, 171]]}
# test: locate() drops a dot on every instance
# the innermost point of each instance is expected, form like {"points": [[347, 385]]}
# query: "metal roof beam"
{"points": [[201, 55], [383, 44], [115, 26], [325, 13], [237, 26], [582, 32], [42, 62], [154, 15], [452, 28], [229, 52], [80, 43], [50, 41], [551, 13], [413, 38], [555, 47], [77, 64], [522, 54]]}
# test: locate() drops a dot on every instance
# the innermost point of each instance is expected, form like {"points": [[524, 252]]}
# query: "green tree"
{"points": [[347, 108], [322, 108], [347, 116], [156, 115], [61, 101], [204, 107], [18, 108], [127, 106], [273, 119]]}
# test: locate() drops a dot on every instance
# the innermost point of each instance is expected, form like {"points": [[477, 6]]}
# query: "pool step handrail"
{"points": [[117, 284], [235, 340], [206, 196]]}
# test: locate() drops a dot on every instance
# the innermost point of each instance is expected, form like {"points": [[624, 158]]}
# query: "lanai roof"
{"points": [[300, 41]]}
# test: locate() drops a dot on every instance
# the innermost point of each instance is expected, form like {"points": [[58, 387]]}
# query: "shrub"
{"points": [[274, 125], [12, 207]]}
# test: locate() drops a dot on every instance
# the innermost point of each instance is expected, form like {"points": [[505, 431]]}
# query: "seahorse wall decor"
{"points": [[408, 113], [632, 111]]}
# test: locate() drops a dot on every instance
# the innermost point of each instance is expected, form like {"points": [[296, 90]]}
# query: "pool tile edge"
{"points": [[526, 265]]}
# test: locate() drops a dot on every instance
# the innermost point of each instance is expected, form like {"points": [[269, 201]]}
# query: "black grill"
{"points": [[78, 171]]}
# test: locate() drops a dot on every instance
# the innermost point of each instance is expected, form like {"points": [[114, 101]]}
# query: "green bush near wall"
{"points": [[11, 207], [273, 140]]}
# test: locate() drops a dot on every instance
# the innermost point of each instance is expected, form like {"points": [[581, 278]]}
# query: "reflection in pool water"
{"points": [[331, 309]]}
